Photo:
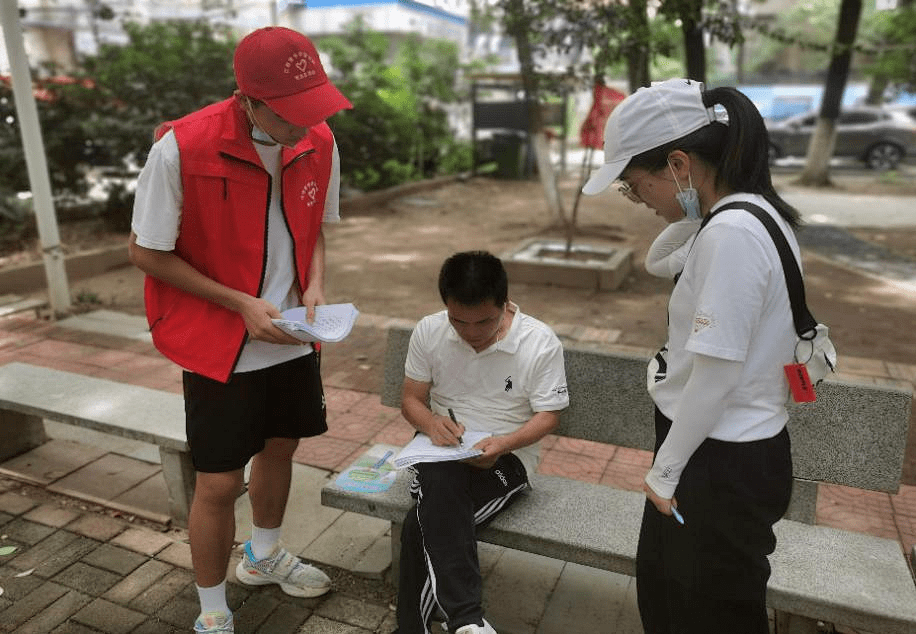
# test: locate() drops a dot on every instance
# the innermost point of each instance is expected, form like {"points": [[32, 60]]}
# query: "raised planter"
{"points": [[541, 261], [27, 278]]}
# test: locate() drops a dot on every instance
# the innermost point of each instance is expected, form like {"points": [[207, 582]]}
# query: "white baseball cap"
{"points": [[650, 117]]}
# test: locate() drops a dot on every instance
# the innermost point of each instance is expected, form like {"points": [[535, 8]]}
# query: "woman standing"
{"points": [[722, 472]]}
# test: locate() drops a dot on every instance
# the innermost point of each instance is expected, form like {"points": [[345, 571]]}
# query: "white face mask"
{"points": [[688, 199], [259, 136]]}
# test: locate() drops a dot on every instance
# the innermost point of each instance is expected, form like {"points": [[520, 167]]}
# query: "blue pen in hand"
{"points": [[677, 515], [451, 415]]}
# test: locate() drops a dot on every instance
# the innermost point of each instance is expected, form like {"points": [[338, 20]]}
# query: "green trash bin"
{"points": [[509, 152]]}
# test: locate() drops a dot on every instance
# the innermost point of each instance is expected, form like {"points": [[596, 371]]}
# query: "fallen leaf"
{"points": [[8, 550], [25, 573], [1, 592]]}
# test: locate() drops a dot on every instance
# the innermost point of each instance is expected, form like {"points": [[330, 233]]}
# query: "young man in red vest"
{"points": [[227, 226]]}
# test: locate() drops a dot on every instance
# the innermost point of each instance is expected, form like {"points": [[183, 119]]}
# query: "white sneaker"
{"points": [[214, 623], [295, 578], [476, 629]]}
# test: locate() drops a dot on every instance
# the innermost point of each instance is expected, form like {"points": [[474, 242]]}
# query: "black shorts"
{"points": [[228, 423]]}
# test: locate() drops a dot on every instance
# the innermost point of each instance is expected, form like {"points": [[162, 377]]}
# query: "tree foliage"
{"points": [[398, 129]]}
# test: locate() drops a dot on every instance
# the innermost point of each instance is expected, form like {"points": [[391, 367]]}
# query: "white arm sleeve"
{"points": [[698, 412], [668, 253]]}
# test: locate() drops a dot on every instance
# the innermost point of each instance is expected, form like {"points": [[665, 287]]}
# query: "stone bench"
{"points": [[853, 435], [29, 394]]}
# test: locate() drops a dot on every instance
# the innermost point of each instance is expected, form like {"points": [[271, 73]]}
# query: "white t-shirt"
{"points": [[498, 389], [731, 303], [157, 220]]}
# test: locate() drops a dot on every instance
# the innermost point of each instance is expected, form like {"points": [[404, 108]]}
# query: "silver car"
{"points": [[879, 136]]}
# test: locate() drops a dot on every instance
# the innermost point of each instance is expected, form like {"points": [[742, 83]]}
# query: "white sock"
{"points": [[264, 541], [213, 599]]}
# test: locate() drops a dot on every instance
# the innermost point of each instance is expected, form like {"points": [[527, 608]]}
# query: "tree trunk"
{"points": [[817, 163], [694, 50], [638, 60], [519, 31]]}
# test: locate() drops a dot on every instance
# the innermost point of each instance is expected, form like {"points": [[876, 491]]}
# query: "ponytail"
{"points": [[743, 164]]}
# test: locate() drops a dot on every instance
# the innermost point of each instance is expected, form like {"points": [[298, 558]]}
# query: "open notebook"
{"points": [[333, 322], [422, 449]]}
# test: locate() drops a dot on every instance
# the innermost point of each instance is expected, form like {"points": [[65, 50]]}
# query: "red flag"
{"points": [[603, 102]]}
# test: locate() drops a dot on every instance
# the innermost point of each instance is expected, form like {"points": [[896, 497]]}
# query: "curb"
{"points": [[27, 278]]}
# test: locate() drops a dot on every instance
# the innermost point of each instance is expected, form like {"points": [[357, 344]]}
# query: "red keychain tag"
{"points": [[800, 383]]}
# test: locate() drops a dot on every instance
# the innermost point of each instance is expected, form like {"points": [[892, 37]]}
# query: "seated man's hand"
{"points": [[443, 431], [492, 449]]}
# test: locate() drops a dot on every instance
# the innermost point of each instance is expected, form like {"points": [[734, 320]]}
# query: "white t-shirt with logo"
{"points": [[498, 389], [731, 303], [157, 219]]}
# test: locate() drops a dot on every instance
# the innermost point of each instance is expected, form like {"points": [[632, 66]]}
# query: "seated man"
{"points": [[483, 365]]}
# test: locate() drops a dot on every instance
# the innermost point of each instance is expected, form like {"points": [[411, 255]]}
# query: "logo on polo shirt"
{"points": [[508, 383]]}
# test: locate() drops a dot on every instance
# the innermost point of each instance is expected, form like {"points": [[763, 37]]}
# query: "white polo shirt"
{"points": [[731, 303], [498, 389], [157, 221]]}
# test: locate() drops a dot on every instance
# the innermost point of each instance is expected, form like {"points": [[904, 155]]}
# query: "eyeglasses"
{"points": [[628, 189]]}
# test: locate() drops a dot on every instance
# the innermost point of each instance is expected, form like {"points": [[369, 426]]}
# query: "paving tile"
{"points": [[398, 433], [163, 591], [598, 450], [158, 626], [569, 465], [71, 627], [354, 426], [180, 613], [856, 510], [16, 504], [252, 614], [288, 618], [15, 588], [97, 526], [117, 560], [106, 478], [109, 617], [51, 515], [325, 452], [51, 555], [150, 496], [622, 475], [23, 531], [142, 540], [88, 579], [321, 625], [517, 590], [137, 582], [52, 460], [587, 600], [904, 501], [356, 612], [31, 604], [6, 518], [177, 554]]}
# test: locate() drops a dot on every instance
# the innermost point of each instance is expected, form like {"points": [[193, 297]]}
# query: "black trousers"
{"points": [[440, 572], [710, 574]]}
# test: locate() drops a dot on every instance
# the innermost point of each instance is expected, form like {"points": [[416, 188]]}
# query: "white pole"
{"points": [[27, 113]]}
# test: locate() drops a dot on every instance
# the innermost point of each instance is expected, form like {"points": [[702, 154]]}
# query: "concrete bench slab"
{"points": [[30, 393], [854, 435]]}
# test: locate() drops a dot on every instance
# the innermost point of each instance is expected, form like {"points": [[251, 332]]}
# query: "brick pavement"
{"points": [[94, 571]]}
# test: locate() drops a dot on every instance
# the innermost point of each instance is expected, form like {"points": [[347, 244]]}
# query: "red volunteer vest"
{"points": [[223, 233]]}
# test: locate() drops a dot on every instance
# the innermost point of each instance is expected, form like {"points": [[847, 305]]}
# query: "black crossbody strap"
{"points": [[801, 316]]}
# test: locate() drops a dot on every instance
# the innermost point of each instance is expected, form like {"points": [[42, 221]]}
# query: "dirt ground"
{"points": [[385, 257]]}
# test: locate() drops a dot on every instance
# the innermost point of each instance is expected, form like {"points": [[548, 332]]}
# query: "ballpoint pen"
{"points": [[451, 415], [677, 514]]}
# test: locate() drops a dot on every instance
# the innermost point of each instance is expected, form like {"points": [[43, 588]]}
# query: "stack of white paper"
{"points": [[422, 449], [333, 322]]}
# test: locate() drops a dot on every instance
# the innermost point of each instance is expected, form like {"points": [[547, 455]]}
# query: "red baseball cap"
{"points": [[281, 67]]}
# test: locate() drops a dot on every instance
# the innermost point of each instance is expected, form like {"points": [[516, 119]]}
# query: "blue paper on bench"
{"points": [[422, 449], [373, 472]]}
